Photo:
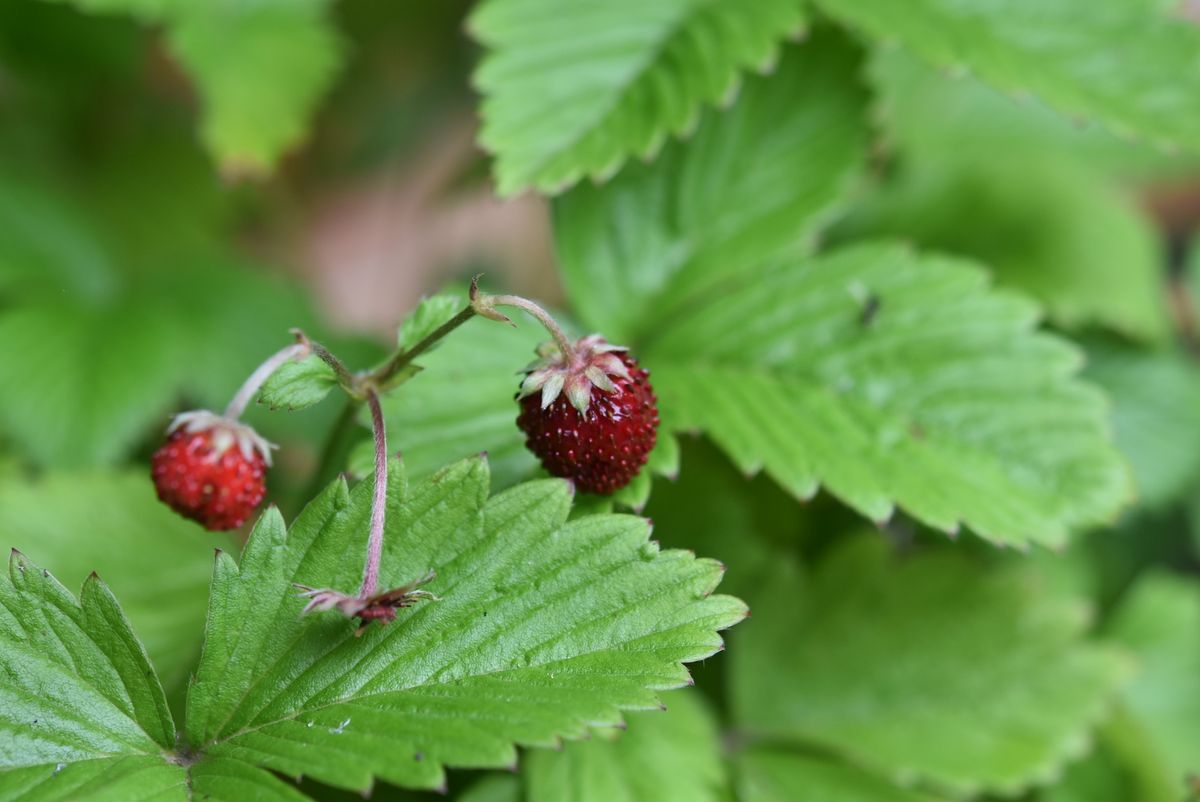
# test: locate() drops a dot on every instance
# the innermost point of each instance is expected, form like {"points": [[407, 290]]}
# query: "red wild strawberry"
{"points": [[600, 440], [211, 469]]}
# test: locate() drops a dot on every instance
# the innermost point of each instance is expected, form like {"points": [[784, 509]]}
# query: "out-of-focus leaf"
{"points": [[928, 667], [1130, 65], [766, 775], [496, 788], [1058, 232], [84, 383], [757, 180], [1156, 415], [111, 523], [572, 90], [1121, 768], [94, 377], [1160, 622], [929, 116], [47, 245], [258, 67], [663, 757]]}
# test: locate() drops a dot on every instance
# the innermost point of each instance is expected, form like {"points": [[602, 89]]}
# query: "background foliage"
{"points": [[917, 286]]}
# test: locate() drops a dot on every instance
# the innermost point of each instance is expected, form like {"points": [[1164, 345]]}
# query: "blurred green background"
{"points": [[150, 257]]}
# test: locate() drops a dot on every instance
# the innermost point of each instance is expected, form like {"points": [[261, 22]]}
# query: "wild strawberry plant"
{"points": [[883, 305]]}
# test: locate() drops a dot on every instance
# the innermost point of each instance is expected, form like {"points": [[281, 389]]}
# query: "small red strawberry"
{"points": [[589, 415], [211, 469]]}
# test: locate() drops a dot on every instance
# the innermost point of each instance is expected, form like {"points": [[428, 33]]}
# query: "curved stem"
{"points": [[402, 359], [560, 337], [370, 583], [344, 376], [251, 386]]}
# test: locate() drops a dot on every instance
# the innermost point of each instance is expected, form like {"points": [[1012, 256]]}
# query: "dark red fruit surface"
{"points": [[217, 490], [601, 449]]}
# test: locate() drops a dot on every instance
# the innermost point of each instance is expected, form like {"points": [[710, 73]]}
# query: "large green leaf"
{"points": [[754, 181], [1160, 622], [1156, 417], [111, 523], [663, 757], [544, 628], [928, 667], [1123, 767], [258, 67], [893, 378], [766, 775], [929, 115], [1130, 65], [1062, 234], [81, 712], [572, 90], [84, 382]]}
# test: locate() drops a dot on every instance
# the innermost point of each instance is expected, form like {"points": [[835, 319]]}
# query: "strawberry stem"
{"points": [[297, 350], [560, 337], [370, 583], [402, 359]]}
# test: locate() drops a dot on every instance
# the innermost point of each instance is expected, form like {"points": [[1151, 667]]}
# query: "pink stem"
{"points": [[370, 583], [543, 317]]}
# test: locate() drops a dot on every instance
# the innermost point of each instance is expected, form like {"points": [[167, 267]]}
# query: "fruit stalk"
{"points": [[370, 583], [560, 337], [402, 359]]}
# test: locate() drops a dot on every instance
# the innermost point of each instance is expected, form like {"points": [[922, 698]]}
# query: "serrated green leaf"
{"points": [[298, 385], [75, 688], [147, 778], [429, 315], [943, 400], [158, 563], [1156, 417], [574, 90], [258, 67], [662, 757], [462, 403], [1160, 622], [223, 780], [1061, 233], [766, 775], [1126, 64], [757, 180], [927, 667], [544, 628]]}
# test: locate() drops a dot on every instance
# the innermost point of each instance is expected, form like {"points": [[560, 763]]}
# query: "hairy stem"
{"points": [[251, 386], [403, 359], [560, 337], [370, 583], [344, 376]]}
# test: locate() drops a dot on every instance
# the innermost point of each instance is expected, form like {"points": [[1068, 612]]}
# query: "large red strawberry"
{"points": [[211, 469], [590, 415]]}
